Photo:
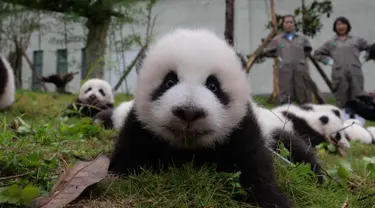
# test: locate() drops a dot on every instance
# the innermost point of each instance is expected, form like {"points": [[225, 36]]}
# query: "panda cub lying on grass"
{"points": [[94, 96], [191, 103], [314, 126]]}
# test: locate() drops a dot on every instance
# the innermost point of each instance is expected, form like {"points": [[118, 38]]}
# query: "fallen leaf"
{"points": [[346, 203], [73, 182]]}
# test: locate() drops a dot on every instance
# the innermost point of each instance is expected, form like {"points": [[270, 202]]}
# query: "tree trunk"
{"points": [[229, 21], [96, 46], [275, 91], [15, 60]]}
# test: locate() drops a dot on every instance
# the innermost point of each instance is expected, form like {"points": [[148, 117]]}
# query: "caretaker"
{"points": [[342, 53], [291, 49]]}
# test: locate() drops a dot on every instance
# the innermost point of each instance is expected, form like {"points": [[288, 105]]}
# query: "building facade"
{"points": [[251, 17]]}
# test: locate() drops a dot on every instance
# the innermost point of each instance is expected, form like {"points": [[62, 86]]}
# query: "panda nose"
{"points": [[92, 97], [188, 114]]}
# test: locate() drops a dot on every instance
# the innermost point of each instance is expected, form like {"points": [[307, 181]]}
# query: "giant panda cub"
{"points": [[313, 126], [355, 132], [94, 96], [7, 84], [276, 130], [191, 104]]}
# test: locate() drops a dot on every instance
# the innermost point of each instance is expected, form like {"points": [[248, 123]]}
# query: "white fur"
{"points": [[333, 127], [96, 85], [7, 99], [326, 108], [120, 113], [194, 55], [270, 121], [356, 132]]}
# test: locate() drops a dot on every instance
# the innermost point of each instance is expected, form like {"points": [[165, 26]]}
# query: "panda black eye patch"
{"points": [[170, 80], [88, 90], [213, 84], [338, 137], [102, 92]]}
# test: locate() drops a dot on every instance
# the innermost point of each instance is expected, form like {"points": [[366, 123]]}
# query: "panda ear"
{"points": [[336, 112], [242, 60], [324, 119]]}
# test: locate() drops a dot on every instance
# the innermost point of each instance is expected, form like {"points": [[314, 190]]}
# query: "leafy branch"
{"points": [[308, 18]]}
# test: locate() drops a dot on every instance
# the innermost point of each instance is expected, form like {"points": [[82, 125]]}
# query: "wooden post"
{"points": [[229, 21], [275, 92]]}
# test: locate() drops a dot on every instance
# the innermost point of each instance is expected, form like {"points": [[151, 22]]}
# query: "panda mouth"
{"points": [[189, 132]]}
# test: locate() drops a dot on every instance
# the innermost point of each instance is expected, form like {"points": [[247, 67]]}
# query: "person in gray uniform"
{"points": [[291, 49], [342, 53]]}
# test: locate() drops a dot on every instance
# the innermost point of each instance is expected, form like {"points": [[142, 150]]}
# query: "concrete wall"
{"points": [[251, 17]]}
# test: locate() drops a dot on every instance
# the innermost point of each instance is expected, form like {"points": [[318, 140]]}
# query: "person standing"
{"points": [[291, 49], [342, 53]]}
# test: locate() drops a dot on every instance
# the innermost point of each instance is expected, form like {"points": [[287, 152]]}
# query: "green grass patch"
{"points": [[36, 144]]}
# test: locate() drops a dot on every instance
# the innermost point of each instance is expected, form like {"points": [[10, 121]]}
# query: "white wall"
{"points": [[251, 17]]}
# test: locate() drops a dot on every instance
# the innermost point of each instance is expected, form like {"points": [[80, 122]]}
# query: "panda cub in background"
{"points": [[191, 104], [7, 84], [313, 126], [355, 132], [114, 118], [276, 130], [94, 96]]}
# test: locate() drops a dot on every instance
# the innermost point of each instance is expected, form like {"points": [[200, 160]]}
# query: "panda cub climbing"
{"points": [[7, 84], [191, 104], [94, 96]]}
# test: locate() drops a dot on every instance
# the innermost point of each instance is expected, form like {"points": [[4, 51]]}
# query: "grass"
{"points": [[36, 142]]}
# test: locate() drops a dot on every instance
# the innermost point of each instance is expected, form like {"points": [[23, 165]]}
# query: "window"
{"points": [[38, 69], [62, 61], [83, 64]]}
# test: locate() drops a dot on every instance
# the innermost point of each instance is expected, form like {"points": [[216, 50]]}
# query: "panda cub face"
{"points": [[333, 129], [96, 92], [192, 93]]}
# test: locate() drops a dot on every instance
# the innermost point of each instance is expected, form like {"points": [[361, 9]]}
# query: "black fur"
{"points": [[85, 110], [371, 52], [299, 150], [3, 77], [106, 117], [242, 59], [213, 84], [337, 113], [306, 107], [304, 130], [170, 79], [245, 150]]}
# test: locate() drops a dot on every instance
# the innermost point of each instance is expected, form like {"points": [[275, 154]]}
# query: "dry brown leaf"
{"points": [[346, 203], [73, 182]]}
